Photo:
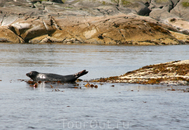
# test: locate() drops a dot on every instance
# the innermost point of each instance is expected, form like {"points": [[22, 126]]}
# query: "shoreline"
{"points": [[102, 23]]}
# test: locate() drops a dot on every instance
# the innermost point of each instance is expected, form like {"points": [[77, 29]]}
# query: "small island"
{"points": [[172, 73]]}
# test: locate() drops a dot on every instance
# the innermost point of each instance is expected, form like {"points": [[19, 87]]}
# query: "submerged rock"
{"points": [[174, 73]]}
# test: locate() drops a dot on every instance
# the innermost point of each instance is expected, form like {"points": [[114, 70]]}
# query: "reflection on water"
{"points": [[110, 106]]}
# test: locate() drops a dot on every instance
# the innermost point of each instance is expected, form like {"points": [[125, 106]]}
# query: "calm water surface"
{"points": [[124, 106]]}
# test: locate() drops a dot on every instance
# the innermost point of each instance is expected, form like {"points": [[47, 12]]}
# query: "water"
{"points": [[124, 106]]}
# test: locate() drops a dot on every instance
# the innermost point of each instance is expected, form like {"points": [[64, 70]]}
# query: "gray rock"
{"points": [[161, 14], [139, 7], [57, 1], [166, 4], [181, 10], [7, 19]]}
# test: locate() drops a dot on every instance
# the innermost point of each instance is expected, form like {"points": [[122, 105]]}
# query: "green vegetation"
{"points": [[122, 2], [185, 4], [125, 2], [115, 1], [161, 1], [48, 0], [103, 2]]}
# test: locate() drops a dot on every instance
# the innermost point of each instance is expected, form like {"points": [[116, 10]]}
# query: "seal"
{"points": [[36, 76]]}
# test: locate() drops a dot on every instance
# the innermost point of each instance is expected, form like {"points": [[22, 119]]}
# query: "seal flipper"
{"points": [[79, 74]]}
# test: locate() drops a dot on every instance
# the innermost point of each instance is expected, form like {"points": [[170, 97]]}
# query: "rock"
{"points": [[38, 39], [139, 7], [181, 37], [181, 10], [175, 72], [169, 9], [161, 4], [57, 1], [161, 14], [7, 35], [20, 8], [97, 22], [31, 28], [7, 19], [179, 24], [122, 29]]}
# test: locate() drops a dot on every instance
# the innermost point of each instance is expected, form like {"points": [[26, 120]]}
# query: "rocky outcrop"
{"points": [[130, 22], [30, 28], [174, 73], [7, 35], [119, 29]]}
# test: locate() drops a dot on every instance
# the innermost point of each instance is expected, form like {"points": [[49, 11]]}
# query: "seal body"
{"points": [[36, 76]]}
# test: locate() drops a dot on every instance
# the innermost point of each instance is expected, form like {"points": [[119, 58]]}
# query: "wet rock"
{"points": [[91, 85], [172, 73]]}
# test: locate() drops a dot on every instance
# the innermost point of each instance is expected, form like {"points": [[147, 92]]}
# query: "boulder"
{"points": [[181, 9], [6, 19], [32, 27], [179, 24], [7, 35], [140, 7], [161, 14], [38, 39], [167, 5], [181, 37], [119, 29]]}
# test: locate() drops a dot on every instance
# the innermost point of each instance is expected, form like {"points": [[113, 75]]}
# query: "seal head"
{"points": [[32, 75]]}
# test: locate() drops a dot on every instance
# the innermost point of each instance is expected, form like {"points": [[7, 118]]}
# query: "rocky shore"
{"points": [[172, 73], [128, 22]]}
